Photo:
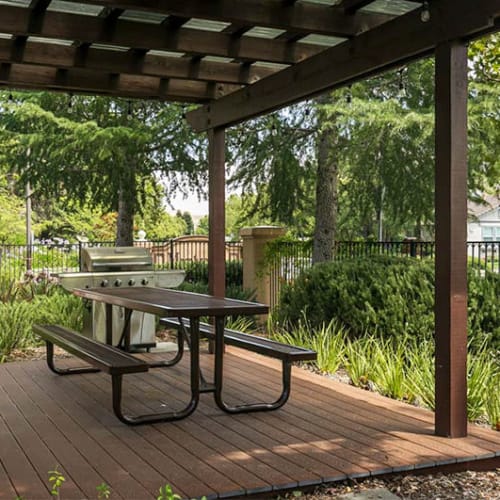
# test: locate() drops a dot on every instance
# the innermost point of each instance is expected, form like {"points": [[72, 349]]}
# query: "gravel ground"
{"points": [[458, 486]]}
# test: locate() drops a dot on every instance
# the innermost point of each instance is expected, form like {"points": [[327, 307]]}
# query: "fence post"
{"points": [[254, 242]]}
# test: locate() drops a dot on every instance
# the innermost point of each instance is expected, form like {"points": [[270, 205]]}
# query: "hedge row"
{"points": [[389, 296]]}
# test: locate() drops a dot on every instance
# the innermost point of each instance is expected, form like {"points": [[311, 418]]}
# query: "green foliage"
{"points": [[482, 368], [389, 370], [327, 340], [360, 360], [493, 401], [60, 308], [275, 166], [12, 218], [390, 296], [421, 373], [56, 480], [98, 154], [187, 219], [37, 300], [16, 319], [484, 310], [8, 290], [383, 294], [103, 491], [197, 272], [167, 493]]}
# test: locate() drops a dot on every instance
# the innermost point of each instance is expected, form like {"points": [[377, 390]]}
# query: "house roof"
{"points": [[205, 51], [488, 202]]}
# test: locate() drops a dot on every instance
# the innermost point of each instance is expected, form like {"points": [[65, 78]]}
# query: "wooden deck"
{"points": [[326, 432]]}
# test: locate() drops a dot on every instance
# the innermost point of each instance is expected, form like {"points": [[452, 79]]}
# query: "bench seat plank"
{"points": [[105, 357], [254, 343]]}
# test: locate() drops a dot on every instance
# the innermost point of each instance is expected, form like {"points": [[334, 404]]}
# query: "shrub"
{"points": [[197, 272], [382, 294], [16, 319], [59, 308], [35, 302], [387, 296]]}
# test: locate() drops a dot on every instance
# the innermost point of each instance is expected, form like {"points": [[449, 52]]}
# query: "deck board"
{"points": [[327, 431]]}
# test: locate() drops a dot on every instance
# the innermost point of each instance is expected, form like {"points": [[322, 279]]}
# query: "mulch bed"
{"points": [[467, 485]]}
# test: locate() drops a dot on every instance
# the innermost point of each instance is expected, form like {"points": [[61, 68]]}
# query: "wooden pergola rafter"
{"points": [[242, 58]]}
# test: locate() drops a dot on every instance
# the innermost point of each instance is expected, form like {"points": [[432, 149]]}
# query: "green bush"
{"points": [[59, 308], [387, 296], [34, 301], [16, 319], [197, 272]]}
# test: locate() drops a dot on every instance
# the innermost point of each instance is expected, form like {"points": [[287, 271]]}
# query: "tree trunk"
{"points": [[126, 211], [326, 194]]}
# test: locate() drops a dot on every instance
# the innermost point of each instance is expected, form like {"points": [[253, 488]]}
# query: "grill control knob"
{"points": [[131, 282], [118, 282], [104, 283], [144, 281]]}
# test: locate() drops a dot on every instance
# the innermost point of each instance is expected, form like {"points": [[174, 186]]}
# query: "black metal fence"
{"points": [[289, 259], [188, 253]]}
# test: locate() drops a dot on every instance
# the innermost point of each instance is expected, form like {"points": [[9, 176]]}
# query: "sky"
{"points": [[190, 204]]}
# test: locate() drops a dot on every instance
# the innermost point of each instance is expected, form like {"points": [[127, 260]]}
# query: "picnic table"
{"points": [[182, 310]]}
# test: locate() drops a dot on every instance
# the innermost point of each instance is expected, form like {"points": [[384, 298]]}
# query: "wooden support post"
{"points": [[216, 213], [451, 238]]}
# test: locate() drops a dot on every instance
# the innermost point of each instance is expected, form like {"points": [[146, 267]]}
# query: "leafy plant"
{"points": [[389, 296], [56, 479], [420, 374], [166, 493], [103, 491], [60, 308], [360, 360], [481, 369], [329, 342], [8, 290], [15, 326], [493, 400], [389, 368]]}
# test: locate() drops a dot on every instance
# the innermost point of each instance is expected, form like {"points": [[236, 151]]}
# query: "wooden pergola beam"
{"points": [[297, 17], [86, 81], [351, 6], [129, 34], [391, 44], [216, 204], [451, 240], [131, 62]]}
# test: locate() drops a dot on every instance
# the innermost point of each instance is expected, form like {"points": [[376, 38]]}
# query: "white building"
{"points": [[484, 220]]}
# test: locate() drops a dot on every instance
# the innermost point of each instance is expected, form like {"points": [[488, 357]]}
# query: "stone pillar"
{"points": [[254, 242]]}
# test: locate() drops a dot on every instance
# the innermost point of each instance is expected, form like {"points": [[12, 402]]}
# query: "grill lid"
{"points": [[114, 259]]}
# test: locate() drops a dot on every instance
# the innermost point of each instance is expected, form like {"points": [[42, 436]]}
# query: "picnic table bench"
{"points": [[102, 357], [260, 345]]}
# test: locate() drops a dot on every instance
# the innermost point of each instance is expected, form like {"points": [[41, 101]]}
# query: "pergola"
{"points": [[243, 58]]}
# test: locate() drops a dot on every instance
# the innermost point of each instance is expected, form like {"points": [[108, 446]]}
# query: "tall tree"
{"points": [[273, 159], [99, 150], [328, 156]]}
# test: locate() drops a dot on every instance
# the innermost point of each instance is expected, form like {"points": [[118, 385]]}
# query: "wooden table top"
{"points": [[167, 302]]}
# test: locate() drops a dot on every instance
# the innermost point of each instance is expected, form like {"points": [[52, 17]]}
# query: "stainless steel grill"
{"points": [[119, 267]]}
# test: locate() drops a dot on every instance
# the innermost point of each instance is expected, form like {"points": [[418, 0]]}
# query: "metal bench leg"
{"points": [[246, 408], [64, 371], [164, 416], [180, 352]]}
